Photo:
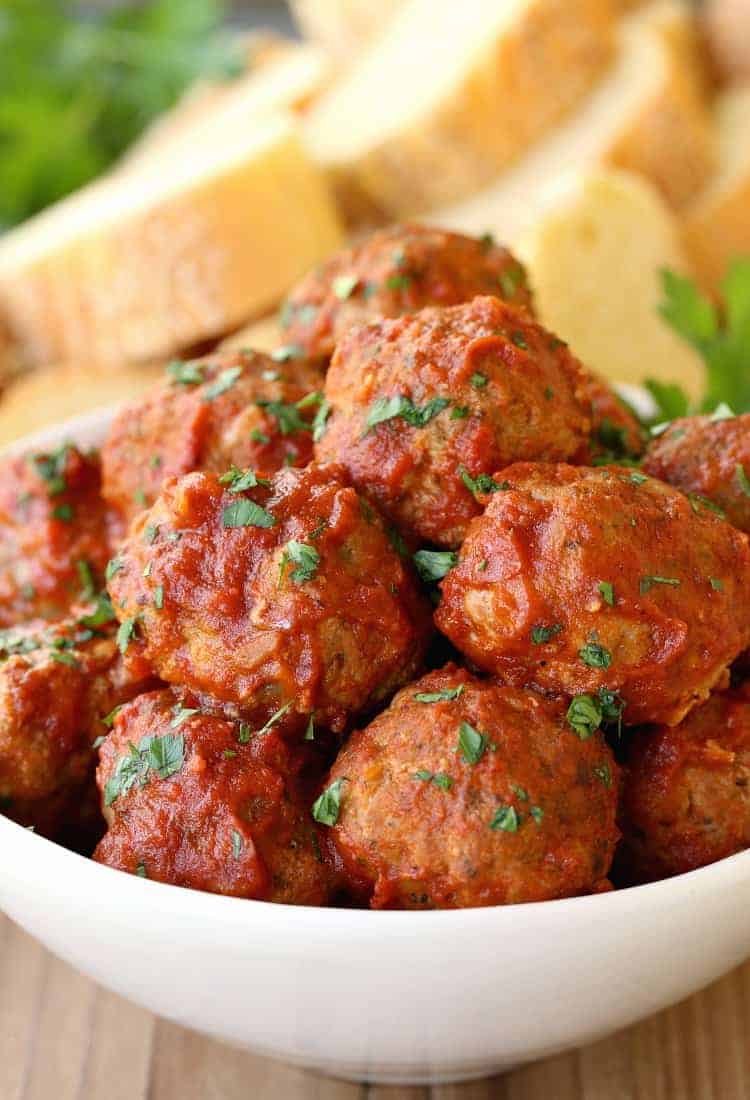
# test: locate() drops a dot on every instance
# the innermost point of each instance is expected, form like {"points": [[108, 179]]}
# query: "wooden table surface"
{"points": [[64, 1038]]}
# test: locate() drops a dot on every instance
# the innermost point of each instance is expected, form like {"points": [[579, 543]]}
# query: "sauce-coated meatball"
{"points": [[198, 800], [466, 793], [686, 798], [57, 682], [393, 272], [263, 593], [710, 460], [240, 408], [425, 408], [581, 580], [53, 533]]}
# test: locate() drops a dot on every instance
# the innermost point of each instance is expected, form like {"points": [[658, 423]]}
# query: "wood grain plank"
{"points": [[605, 1069], [22, 968], [556, 1077], [120, 1048], [492, 1088]]}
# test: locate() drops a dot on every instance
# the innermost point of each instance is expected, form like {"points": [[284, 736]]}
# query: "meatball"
{"points": [[236, 408], [53, 533], [425, 408], [57, 684], [616, 431], [709, 459], [393, 272], [198, 800], [466, 793], [686, 797], [267, 593], [598, 581]]}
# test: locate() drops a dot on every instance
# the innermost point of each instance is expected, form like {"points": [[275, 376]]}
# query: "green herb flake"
{"points": [[542, 634], [327, 806], [63, 512], [698, 502], [160, 756], [159, 597], [304, 556], [595, 655], [432, 565], [98, 742], [716, 584], [401, 407], [520, 792], [126, 633], [239, 481], [114, 565], [742, 479], [224, 382], [471, 743], [637, 478], [460, 412], [511, 281], [506, 819], [584, 716], [186, 374], [257, 436], [478, 381], [537, 813], [51, 469], [310, 730], [401, 281], [246, 513], [181, 714], [520, 341], [287, 352], [237, 844], [482, 483], [65, 658], [607, 592], [286, 416], [244, 733], [445, 695], [86, 577], [275, 718], [141, 870], [602, 771], [109, 719], [151, 533], [320, 420], [647, 583]]}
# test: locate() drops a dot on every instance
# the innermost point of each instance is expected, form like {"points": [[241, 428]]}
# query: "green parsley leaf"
{"points": [[460, 412], [506, 819], [286, 416], [697, 502], [717, 584], [542, 634], [181, 714], [237, 844], [584, 716], [51, 469], [159, 597], [287, 352], [63, 512], [320, 420], [519, 340], [86, 576], [114, 565], [224, 382], [126, 633], [537, 813], [327, 807], [244, 734], [98, 742], [602, 771], [440, 779], [246, 513], [607, 592], [482, 483], [65, 658], [432, 565], [258, 436], [310, 730], [512, 280], [141, 870], [595, 655], [471, 743], [161, 756], [398, 282], [443, 696], [186, 374], [103, 613], [239, 481], [150, 533], [478, 381], [391, 408], [742, 479], [275, 718], [109, 719], [647, 583], [304, 556]]}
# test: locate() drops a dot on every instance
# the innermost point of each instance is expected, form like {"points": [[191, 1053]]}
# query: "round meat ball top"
{"points": [[616, 431], [709, 459], [468, 793], [234, 408], [425, 408], [53, 533], [57, 684], [396, 271], [686, 794], [268, 593], [589, 581], [197, 800]]}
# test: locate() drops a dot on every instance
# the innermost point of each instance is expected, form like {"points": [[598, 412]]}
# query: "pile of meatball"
{"points": [[409, 614]]}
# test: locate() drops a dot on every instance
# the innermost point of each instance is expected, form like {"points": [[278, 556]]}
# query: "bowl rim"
{"points": [[226, 909]]}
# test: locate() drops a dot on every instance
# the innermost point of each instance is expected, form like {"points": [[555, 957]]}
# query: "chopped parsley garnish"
{"points": [[471, 743], [343, 286], [320, 420], [520, 791], [327, 806], [647, 583], [511, 280], [244, 733], [286, 416], [602, 771], [432, 565], [155, 462], [64, 658], [151, 533], [287, 352], [86, 577], [126, 633], [186, 374], [181, 714], [63, 512], [237, 844], [506, 819], [460, 412], [445, 695], [717, 584], [239, 481], [258, 436], [246, 513], [114, 565], [109, 719], [607, 592], [98, 742], [482, 483], [310, 729], [595, 655], [542, 634], [161, 756], [51, 469], [159, 597], [402, 407], [537, 813], [486, 242], [304, 556], [275, 718], [478, 381], [742, 479], [584, 716], [141, 871], [224, 382], [440, 779], [398, 282], [697, 502], [103, 613], [637, 478], [519, 340], [139, 497]]}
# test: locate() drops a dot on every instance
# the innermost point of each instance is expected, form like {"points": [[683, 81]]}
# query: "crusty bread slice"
{"points": [[717, 225], [52, 394], [289, 78], [145, 263], [343, 26], [594, 263], [646, 116], [451, 93]]}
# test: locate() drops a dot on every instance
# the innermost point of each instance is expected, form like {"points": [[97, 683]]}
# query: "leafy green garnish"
{"points": [[471, 743], [186, 374], [246, 513], [432, 565], [482, 483], [286, 416], [584, 716], [402, 407], [224, 382], [647, 583], [327, 807], [440, 779], [540, 635], [162, 756], [607, 592], [320, 420], [595, 655], [443, 696], [506, 819], [238, 481], [86, 577], [126, 633], [742, 479], [304, 556]]}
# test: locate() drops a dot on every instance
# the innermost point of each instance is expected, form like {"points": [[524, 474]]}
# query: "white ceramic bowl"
{"points": [[392, 996]]}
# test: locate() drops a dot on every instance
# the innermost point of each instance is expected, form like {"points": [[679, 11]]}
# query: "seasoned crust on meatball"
{"points": [[396, 271], [467, 793], [686, 793], [616, 432], [238, 408], [53, 533], [198, 800], [581, 579], [708, 459], [425, 408], [57, 682], [288, 591]]}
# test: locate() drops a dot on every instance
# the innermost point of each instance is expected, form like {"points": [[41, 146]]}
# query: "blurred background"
{"points": [[169, 169]]}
